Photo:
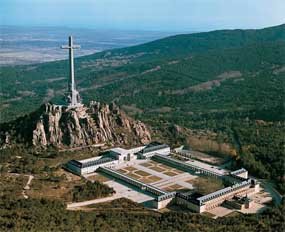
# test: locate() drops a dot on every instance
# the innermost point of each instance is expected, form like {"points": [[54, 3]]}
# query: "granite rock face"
{"points": [[60, 126]]}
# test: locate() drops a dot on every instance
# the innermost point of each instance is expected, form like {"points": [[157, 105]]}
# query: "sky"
{"points": [[158, 15]]}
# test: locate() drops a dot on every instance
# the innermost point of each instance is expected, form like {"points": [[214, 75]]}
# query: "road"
{"points": [[91, 202], [276, 196], [122, 191], [83, 147]]}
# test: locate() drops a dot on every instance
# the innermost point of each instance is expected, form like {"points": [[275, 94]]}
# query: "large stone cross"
{"points": [[73, 94]]}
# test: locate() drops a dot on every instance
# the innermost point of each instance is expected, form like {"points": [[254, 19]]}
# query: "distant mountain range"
{"points": [[28, 45]]}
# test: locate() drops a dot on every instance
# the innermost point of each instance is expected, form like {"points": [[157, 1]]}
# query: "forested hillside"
{"points": [[177, 68], [46, 215]]}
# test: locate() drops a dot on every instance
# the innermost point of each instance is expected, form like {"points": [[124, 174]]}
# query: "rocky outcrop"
{"points": [[60, 126]]}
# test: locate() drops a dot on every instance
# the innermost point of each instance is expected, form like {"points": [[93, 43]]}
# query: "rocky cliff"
{"points": [[60, 126]]}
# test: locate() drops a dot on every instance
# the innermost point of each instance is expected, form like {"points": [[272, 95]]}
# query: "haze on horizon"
{"points": [[160, 15]]}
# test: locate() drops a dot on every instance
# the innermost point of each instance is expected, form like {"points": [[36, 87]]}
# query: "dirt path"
{"points": [[27, 186], [91, 202]]}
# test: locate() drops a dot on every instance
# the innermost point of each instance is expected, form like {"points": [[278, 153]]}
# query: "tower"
{"points": [[73, 94]]}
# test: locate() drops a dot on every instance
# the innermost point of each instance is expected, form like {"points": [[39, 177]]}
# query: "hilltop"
{"points": [[79, 127]]}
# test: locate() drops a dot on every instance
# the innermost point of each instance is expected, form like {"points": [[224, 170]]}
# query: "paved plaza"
{"points": [[159, 175]]}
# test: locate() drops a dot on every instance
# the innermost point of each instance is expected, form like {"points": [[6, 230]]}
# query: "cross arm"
{"points": [[68, 47], [65, 47], [76, 46]]}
